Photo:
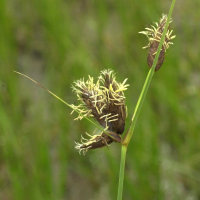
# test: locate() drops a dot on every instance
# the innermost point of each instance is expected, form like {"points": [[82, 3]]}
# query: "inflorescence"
{"points": [[105, 102], [154, 35]]}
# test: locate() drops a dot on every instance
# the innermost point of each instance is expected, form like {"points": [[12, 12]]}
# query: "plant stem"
{"points": [[138, 107], [139, 104], [121, 172]]}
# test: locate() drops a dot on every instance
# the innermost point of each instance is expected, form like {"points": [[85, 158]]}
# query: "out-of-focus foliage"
{"points": [[58, 41]]}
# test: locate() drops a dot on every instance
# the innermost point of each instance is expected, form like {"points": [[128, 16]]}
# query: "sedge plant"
{"points": [[104, 100]]}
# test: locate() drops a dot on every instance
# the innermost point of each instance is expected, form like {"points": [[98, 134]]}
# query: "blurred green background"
{"points": [[56, 42]]}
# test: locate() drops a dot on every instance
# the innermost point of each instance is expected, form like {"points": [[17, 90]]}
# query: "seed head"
{"points": [[103, 101], [154, 35]]}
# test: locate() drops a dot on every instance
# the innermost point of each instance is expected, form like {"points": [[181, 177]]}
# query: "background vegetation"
{"points": [[58, 41]]}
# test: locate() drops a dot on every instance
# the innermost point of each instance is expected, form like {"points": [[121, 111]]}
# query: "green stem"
{"points": [[121, 172], [138, 107]]}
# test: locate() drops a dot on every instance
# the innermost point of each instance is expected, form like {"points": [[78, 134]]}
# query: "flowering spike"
{"points": [[154, 35], [105, 102]]}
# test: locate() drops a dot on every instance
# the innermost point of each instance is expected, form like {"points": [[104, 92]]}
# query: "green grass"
{"points": [[57, 42]]}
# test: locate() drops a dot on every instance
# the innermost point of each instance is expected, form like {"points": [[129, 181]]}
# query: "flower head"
{"points": [[154, 35], [105, 102]]}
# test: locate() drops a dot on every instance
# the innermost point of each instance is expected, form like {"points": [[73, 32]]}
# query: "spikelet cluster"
{"points": [[154, 35], [104, 101]]}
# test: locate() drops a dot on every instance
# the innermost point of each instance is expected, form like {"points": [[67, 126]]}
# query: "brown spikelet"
{"points": [[96, 141], [152, 53], [105, 102], [154, 35]]}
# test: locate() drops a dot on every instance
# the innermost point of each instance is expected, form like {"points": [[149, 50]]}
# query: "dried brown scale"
{"points": [[89, 102], [100, 141], [117, 126], [152, 53]]}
